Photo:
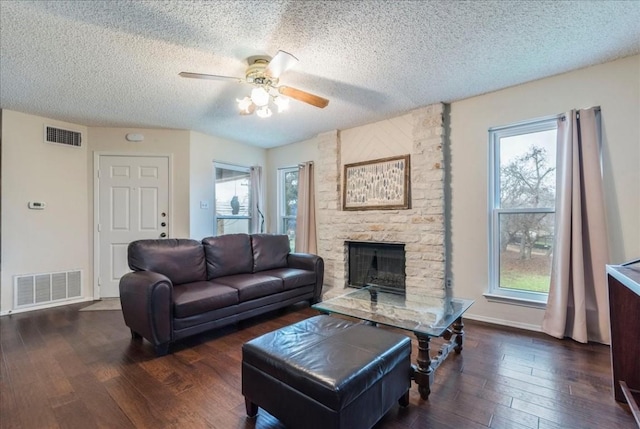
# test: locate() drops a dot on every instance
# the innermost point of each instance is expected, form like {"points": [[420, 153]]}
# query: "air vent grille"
{"points": [[38, 289], [61, 136]]}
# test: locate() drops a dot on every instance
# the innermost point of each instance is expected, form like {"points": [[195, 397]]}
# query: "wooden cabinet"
{"points": [[624, 311]]}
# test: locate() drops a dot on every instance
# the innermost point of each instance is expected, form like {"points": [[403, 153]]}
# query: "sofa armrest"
{"points": [[309, 262], [147, 306]]}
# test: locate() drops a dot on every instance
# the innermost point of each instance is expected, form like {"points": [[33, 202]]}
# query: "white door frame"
{"points": [[96, 205]]}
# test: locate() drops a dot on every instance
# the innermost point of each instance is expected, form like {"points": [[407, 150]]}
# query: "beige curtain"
{"points": [[578, 300], [306, 216], [255, 176]]}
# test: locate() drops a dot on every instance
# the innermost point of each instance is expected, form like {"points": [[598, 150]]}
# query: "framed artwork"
{"points": [[381, 184]]}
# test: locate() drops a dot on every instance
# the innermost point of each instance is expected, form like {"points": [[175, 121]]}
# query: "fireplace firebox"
{"points": [[382, 264]]}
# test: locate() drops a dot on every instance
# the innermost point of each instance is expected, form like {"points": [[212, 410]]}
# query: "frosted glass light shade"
{"points": [[282, 103], [246, 106], [259, 96], [263, 112]]}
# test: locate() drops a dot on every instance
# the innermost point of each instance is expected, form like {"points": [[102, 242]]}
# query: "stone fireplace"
{"points": [[382, 264], [421, 228]]}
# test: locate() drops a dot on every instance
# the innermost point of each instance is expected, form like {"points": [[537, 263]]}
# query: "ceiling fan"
{"points": [[264, 73]]}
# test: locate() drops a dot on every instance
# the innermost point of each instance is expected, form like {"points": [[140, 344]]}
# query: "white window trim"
{"points": [[226, 166], [281, 196], [495, 293]]}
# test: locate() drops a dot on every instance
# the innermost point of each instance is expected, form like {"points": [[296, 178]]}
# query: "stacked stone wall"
{"points": [[421, 227]]}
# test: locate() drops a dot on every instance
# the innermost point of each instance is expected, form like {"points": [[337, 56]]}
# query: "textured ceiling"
{"points": [[116, 63]]}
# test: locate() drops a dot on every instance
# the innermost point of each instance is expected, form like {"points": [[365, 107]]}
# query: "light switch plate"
{"points": [[37, 205]]}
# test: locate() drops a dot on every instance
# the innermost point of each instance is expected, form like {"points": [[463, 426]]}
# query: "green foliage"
{"points": [[524, 281], [527, 182], [291, 193]]}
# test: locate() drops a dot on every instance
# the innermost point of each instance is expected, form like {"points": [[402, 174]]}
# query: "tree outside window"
{"points": [[523, 193], [288, 203]]}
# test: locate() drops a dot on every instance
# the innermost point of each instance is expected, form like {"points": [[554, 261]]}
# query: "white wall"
{"points": [[205, 150], [60, 238], [54, 239], [614, 86]]}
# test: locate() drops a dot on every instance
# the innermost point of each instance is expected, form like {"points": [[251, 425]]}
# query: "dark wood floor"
{"points": [[64, 368]]}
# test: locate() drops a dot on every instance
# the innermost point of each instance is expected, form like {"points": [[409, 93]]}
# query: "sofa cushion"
{"points": [[180, 259], [199, 297], [269, 251], [252, 286], [227, 255], [292, 277]]}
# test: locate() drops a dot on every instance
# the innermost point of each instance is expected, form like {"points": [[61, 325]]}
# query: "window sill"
{"points": [[513, 300]]}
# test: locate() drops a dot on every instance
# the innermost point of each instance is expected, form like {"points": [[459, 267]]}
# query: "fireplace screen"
{"points": [[382, 264]]}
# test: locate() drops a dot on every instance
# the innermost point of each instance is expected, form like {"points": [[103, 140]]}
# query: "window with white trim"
{"points": [[288, 203], [522, 196], [232, 196]]}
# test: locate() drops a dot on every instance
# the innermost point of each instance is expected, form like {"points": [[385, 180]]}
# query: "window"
{"points": [[288, 203], [232, 196], [522, 202]]}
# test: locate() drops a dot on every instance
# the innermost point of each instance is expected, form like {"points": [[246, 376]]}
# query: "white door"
{"points": [[133, 204]]}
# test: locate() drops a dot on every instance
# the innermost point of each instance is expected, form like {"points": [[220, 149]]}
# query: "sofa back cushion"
{"points": [[180, 259], [269, 251], [227, 255]]}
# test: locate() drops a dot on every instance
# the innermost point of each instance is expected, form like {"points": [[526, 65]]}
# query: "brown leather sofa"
{"points": [[182, 287]]}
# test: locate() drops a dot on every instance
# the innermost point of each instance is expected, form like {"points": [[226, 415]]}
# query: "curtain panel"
{"points": [[306, 216], [578, 306]]}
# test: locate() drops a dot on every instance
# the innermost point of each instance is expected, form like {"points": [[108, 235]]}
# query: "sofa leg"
{"points": [[252, 409], [135, 335], [161, 349], [404, 399]]}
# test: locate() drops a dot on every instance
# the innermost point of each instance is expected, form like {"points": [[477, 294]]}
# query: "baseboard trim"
{"points": [[42, 307], [502, 322]]}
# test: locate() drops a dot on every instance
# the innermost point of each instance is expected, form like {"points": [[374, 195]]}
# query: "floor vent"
{"points": [[61, 136], [38, 289]]}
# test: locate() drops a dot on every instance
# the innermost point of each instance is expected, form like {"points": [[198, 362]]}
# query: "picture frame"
{"points": [[379, 184]]}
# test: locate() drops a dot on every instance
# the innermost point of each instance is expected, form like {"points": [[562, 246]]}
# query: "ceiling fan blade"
{"points": [[280, 63], [305, 97], [209, 76]]}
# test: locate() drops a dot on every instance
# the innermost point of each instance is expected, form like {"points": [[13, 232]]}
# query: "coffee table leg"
{"points": [[423, 373], [458, 330]]}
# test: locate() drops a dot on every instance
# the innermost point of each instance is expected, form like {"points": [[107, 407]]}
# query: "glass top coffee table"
{"points": [[425, 317]]}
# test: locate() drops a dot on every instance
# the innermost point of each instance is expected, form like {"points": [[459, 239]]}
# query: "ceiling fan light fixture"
{"points": [[260, 96], [264, 112], [282, 103], [246, 106], [244, 103], [263, 73]]}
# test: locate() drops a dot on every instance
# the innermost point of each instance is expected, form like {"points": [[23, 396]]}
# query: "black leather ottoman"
{"points": [[326, 372]]}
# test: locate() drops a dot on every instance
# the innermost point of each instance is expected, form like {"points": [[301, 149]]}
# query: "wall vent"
{"points": [[62, 136], [38, 289]]}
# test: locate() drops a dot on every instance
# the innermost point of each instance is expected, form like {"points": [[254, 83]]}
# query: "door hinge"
{"points": [[99, 228], [99, 282], [98, 173]]}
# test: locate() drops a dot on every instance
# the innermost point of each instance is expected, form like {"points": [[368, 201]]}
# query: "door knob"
{"points": [[163, 235]]}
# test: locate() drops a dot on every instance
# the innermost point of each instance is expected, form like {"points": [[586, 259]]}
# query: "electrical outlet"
{"points": [[448, 283]]}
